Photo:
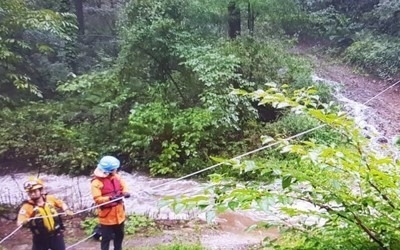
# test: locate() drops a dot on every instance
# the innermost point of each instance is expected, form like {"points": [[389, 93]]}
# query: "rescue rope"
{"points": [[79, 242], [197, 172], [383, 91], [13, 232]]}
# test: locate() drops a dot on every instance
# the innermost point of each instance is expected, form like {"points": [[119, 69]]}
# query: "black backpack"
{"points": [[97, 232]]}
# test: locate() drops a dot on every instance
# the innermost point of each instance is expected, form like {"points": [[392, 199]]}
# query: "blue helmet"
{"points": [[108, 164]]}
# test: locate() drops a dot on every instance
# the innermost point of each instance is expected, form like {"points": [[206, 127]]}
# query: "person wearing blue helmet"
{"points": [[108, 187]]}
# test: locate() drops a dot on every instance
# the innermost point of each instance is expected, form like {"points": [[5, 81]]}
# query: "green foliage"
{"points": [[68, 137], [180, 247], [138, 223], [149, 30], [15, 19], [133, 225], [376, 54], [89, 224], [39, 133], [100, 91], [291, 124], [175, 135], [284, 15], [216, 71], [267, 60], [330, 23], [370, 28], [334, 239]]}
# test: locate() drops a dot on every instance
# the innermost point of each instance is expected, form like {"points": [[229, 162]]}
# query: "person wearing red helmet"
{"points": [[108, 187], [39, 214]]}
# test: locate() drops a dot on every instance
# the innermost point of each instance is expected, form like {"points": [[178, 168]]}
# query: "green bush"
{"points": [[88, 224], [168, 137], [56, 136], [133, 224], [377, 54], [137, 223], [281, 16], [267, 60]]}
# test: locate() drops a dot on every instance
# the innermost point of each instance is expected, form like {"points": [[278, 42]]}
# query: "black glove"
{"points": [[126, 195], [115, 197]]}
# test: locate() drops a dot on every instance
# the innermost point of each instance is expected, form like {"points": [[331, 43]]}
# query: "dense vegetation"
{"points": [[168, 86]]}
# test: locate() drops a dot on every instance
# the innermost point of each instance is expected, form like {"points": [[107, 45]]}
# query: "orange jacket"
{"points": [[110, 215]]}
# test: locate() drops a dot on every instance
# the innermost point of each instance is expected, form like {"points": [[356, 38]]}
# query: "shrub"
{"points": [[377, 54]]}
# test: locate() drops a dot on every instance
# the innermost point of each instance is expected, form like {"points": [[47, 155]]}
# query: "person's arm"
{"points": [[96, 187], [59, 204], [24, 214]]}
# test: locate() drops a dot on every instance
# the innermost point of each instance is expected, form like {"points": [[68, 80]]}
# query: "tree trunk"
{"points": [[233, 20], [79, 15], [251, 18]]}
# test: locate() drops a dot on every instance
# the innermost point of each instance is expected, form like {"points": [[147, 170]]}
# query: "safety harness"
{"points": [[49, 225]]}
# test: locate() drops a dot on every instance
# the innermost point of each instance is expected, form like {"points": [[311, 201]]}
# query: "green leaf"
{"points": [[267, 139], [178, 207], [286, 181], [233, 205], [266, 202], [249, 166]]}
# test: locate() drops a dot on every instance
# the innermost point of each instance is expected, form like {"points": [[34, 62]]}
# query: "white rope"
{"points": [[205, 169], [8, 236], [79, 242], [383, 91]]}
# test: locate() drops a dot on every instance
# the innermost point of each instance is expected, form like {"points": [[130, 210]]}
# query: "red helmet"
{"points": [[33, 184]]}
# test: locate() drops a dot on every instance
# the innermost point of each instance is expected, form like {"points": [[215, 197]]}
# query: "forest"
{"points": [[173, 86]]}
